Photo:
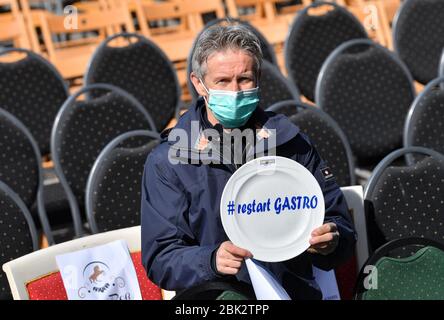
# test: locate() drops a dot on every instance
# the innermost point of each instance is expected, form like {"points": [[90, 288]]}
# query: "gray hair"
{"points": [[220, 38]]}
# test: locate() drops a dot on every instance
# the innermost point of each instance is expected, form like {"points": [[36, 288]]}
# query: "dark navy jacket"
{"points": [[181, 225]]}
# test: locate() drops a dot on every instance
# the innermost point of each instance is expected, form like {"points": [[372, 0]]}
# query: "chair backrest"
{"points": [[141, 69], [12, 26], [312, 38], [36, 277], [267, 49], [354, 196], [405, 200], [262, 9], [116, 177], [416, 277], [424, 125], [188, 15], [83, 128], [23, 7], [347, 273], [110, 19], [327, 137], [20, 167], [289, 7], [245, 9], [368, 91], [417, 35], [33, 91], [274, 87], [18, 235]]}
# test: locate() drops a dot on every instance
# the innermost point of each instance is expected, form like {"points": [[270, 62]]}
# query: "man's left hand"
{"points": [[324, 239]]}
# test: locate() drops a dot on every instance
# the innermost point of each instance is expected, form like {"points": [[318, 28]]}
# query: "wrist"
{"points": [[214, 263]]}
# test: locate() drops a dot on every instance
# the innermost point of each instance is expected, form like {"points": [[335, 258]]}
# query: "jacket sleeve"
{"points": [[170, 254], [336, 209]]}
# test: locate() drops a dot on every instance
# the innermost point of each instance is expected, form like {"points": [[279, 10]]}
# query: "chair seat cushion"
{"points": [[51, 287], [418, 277]]}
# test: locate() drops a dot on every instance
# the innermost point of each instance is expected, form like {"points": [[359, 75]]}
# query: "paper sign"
{"points": [[104, 272], [327, 282], [264, 284]]}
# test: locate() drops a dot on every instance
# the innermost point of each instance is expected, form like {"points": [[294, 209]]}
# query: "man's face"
{"points": [[228, 70]]}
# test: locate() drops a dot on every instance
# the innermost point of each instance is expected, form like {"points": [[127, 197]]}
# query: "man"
{"points": [[183, 241]]}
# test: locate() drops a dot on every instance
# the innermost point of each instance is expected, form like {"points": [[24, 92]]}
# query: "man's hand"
{"points": [[324, 239], [229, 258]]}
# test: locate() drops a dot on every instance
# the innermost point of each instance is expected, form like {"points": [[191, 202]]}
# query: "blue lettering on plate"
{"points": [[280, 204]]}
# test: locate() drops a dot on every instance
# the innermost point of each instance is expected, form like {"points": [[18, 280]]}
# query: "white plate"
{"points": [[270, 236]]}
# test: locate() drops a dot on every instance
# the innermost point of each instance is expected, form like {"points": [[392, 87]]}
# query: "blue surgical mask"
{"points": [[232, 108]]}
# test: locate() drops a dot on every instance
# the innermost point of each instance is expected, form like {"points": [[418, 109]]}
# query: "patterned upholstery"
{"points": [[33, 91], [418, 37], [15, 236], [19, 166], [116, 189], [368, 92], [418, 277], [287, 108], [51, 287], [426, 125], [85, 128], [142, 70], [327, 140], [274, 87], [267, 50], [312, 38], [407, 201]]}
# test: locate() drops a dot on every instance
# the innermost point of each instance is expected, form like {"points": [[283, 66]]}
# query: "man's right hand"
{"points": [[229, 258]]}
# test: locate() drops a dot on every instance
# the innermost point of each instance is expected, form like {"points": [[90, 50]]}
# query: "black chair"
{"points": [[142, 69], [33, 91], [274, 87], [368, 91], [420, 276], [18, 235], [405, 200], [20, 167], [113, 189], [312, 38], [82, 129], [267, 49], [418, 39], [424, 125], [326, 135]]}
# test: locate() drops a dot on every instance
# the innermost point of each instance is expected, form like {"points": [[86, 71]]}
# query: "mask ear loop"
{"points": [[208, 92]]}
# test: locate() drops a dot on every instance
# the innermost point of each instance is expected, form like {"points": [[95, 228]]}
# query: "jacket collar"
{"points": [[187, 136]]}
